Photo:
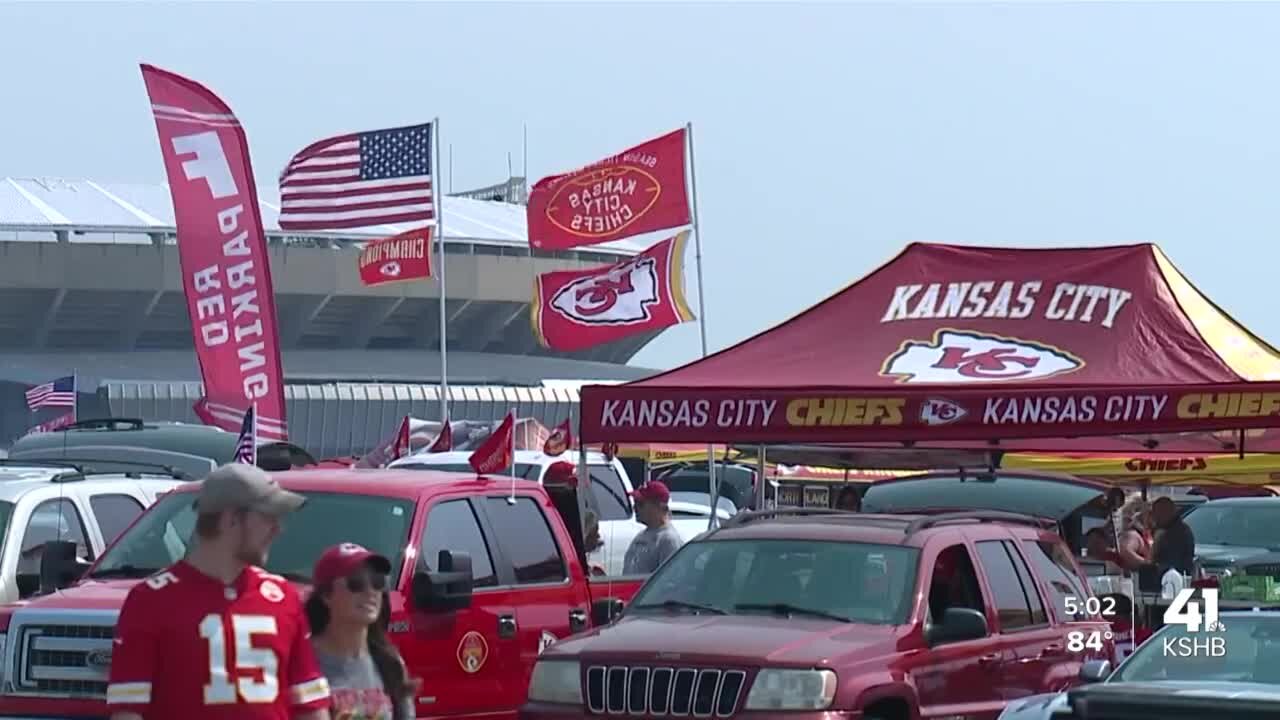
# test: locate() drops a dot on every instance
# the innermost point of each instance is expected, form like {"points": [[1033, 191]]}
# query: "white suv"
{"points": [[40, 503]]}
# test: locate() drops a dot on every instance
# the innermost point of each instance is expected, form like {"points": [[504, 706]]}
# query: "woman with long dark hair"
{"points": [[348, 610]]}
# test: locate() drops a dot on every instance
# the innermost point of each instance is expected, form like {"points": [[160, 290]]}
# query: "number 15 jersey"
{"points": [[187, 646]]}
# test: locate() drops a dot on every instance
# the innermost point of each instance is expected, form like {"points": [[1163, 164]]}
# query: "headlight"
{"points": [[792, 690], [556, 681]]}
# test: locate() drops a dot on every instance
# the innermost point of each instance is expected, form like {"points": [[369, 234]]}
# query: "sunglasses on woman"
{"points": [[360, 583]]}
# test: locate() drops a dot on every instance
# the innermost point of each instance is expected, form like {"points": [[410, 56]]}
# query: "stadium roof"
{"points": [[82, 205]]}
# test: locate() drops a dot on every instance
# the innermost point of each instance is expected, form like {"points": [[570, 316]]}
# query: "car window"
{"points": [[1010, 594], [114, 513], [56, 519], [609, 492], [1027, 579], [953, 583], [1055, 567], [452, 525], [851, 581], [526, 540]]}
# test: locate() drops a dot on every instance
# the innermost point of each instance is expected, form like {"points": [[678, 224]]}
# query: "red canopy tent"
{"points": [[1078, 349]]}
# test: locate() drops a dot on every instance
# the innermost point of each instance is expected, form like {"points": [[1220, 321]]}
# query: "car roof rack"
{"points": [[975, 516], [752, 515], [81, 468]]}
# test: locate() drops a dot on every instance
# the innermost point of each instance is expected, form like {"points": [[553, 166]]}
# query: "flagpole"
{"points": [[702, 312], [512, 415], [255, 434], [444, 315], [75, 395]]}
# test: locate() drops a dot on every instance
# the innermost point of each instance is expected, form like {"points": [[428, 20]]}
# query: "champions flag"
{"points": [[349, 181]]}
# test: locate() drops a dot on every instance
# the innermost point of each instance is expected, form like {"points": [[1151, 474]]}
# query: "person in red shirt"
{"points": [[214, 636]]}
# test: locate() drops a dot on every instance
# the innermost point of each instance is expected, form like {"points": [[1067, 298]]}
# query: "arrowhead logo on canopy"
{"points": [[962, 356]]}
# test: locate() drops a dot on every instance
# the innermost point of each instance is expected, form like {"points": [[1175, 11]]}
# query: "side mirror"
{"points": [[604, 611], [59, 565], [1093, 671], [958, 624], [448, 588]]}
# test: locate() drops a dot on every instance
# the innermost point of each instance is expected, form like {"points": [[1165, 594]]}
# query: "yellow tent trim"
{"points": [[1246, 355], [1158, 469]]}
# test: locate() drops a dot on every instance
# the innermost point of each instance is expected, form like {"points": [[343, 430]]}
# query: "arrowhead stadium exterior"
{"points": [[90, 285]]}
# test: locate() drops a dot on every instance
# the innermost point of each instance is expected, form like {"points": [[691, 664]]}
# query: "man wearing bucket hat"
{"points": [[659, 540], [214, 636]]}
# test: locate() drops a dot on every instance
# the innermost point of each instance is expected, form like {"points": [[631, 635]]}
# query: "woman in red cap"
{"points": [[348, 611]]}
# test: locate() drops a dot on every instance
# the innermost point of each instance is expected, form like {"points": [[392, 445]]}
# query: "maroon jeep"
{"points": [[823, 614]]}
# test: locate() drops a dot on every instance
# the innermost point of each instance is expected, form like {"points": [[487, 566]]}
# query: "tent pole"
{"points": [[761, 478]]}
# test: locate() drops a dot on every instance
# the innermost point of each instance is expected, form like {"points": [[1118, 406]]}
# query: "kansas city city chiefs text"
{"points": [[1008, 299]]}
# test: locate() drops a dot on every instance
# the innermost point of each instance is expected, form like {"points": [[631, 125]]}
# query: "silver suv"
{"points": [[40, 503]]}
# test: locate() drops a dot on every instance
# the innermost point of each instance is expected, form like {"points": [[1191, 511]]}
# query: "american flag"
{"points": [[350, 181], [59, 393], [247, 444]]}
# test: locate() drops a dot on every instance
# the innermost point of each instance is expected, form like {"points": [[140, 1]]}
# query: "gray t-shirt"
{"points": [[650, 549], [357, 689]]}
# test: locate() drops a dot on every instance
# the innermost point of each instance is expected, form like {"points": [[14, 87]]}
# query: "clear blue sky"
{"points": [[827, 136]]}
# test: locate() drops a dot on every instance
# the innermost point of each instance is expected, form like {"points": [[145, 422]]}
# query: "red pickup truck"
{"points": [[486, 575]]}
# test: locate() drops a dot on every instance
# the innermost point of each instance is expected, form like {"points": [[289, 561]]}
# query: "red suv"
{"points": [[812, 612]]}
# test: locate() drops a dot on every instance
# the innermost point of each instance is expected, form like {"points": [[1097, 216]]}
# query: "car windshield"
{"points": [[1251, 525], [852, 582], [6, 514], [162, 535], [1248, 651]]}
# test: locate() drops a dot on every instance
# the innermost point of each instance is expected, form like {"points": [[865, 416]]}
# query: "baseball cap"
{"points": [[342, 560], [238, 486], [654, 490]]}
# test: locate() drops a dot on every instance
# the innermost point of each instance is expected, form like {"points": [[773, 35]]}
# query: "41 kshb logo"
{"points": [[1204, 637]]}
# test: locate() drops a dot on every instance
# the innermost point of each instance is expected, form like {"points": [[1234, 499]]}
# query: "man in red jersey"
{"points": [[214, 636]]}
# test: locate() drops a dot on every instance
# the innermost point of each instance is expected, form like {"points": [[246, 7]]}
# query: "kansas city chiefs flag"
{"points": [[579, 309], [637, 191]]}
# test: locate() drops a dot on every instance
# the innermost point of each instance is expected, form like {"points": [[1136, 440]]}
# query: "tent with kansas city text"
{"points": [[1103, 349]]}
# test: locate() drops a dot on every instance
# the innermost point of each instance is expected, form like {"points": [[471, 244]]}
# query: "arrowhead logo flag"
{"points": [[560, 440], [222, 249], [637, 191], [579, 309], [498, 451]]}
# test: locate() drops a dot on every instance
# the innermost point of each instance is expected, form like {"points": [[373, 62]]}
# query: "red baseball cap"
{"points": [[342, 560], [654, 490], [561, 473]]}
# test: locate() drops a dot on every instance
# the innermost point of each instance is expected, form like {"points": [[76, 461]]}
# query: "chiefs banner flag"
{"points": [[637, 191], [406, 256], [226, 275], [578, 309], [497, 452]]}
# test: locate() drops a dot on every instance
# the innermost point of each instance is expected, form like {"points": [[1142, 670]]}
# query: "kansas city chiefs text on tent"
{"points": [[687, 413], [1006, 300]]}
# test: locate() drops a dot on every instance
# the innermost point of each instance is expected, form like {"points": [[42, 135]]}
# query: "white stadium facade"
{"points": [[90, 285]]}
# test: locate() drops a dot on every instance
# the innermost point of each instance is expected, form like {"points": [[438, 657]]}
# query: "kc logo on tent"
{"points": [[960, 356], [619, 297], [938, 411]]}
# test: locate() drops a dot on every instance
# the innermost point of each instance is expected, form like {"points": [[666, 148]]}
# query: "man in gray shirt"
{"points": [[659, 539]]}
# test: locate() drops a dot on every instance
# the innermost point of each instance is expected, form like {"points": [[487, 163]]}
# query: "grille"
{"points": [[64, 660], [664, 691]]}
